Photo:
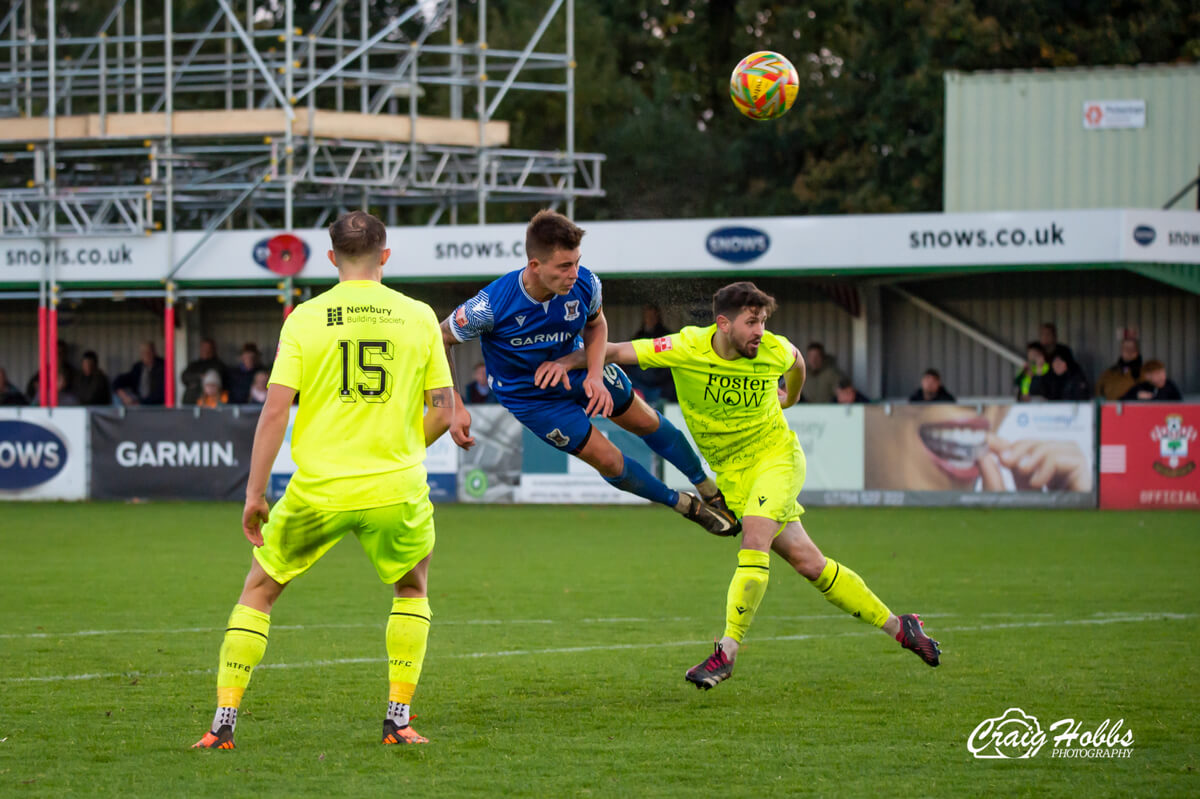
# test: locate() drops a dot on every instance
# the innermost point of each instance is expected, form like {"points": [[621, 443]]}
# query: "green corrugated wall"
{"points": [[1016, 141]]}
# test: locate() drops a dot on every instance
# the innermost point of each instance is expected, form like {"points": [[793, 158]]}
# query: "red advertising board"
{"points": [[1148, 454]]}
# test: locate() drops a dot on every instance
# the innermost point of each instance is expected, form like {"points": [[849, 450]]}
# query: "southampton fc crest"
{"points": [[572, 307], [1173, 439]]}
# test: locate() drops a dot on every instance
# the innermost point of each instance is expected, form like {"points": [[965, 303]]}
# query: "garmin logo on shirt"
{"points": [[540, 338], [747, 391]]}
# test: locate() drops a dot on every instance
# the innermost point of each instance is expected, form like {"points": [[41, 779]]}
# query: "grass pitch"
{"points": [[558, 648]]}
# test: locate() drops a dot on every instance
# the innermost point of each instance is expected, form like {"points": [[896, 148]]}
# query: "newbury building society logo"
{"points": [[1016, 735]]}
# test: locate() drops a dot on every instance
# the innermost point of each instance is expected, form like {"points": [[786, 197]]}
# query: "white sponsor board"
{"points": [[692, 246], [43, 453], [832, 438], [1169, 237], [1109, 114]]}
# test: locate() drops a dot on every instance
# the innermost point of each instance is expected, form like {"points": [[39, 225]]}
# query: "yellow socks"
{"points": [[243, 648], [746, 591], [845, 589], [407, 634]]}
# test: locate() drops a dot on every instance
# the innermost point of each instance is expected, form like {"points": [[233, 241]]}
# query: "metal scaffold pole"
{"points": [[169, 303], [50, 374]]}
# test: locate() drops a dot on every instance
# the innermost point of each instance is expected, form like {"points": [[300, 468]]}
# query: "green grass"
{"points": [[844, 712]]}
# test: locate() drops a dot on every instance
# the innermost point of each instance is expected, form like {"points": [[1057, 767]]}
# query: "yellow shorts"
{"points": [[395, 537], [768, 487]]}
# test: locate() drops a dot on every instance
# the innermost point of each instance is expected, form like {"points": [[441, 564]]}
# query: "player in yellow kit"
{"points": [[727, 377], [366, 361]]}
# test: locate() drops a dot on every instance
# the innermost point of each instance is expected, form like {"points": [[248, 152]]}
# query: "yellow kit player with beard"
{"points": [[727, 378]]}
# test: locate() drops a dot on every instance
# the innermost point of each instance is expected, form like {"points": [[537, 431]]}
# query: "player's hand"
{"points": [[550, 373], [460, 428], [254, 516], [1055, 465], [600, 402]]}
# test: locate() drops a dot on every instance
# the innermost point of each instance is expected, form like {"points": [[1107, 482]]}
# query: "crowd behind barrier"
{"points": [[989, 453]]}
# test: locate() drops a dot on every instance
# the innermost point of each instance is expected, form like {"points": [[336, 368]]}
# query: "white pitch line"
{"points": [[437, 621], [1106, 619]]}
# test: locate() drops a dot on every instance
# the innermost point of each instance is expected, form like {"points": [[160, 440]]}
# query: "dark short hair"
{"points": [[1036, 345], [845, 382], [90, 355], [357, 233], [931, 372], [815, 345], [250, 346], [730, 300], [549, 231], [1052, 327]]}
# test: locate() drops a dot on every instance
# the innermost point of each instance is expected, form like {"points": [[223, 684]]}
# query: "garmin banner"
{"points": [[755, 245], [171, 454], [43, 453]]}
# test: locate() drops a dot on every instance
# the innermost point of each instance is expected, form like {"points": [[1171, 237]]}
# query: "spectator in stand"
{"points": [[1066, 381], [64, 363], [847, 394], [823, 376], [1154, 385], [1048, 337], [143, 383], [931, 389], [1116, 380], [10, 394], [211, 393], [1030, 381], [91, 384], [258, 389], [653, 384], [478, 390], [241, 377], [193, 375], [67, 398]]}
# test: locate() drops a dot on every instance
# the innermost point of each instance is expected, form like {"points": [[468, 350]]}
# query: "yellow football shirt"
{"points": [[731, 407], [362, 356]]}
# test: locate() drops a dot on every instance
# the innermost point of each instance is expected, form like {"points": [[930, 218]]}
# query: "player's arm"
{"points": [[459, 422], [439, 404], [268, 437], [793, 379], [551, 373], [595, 346]]}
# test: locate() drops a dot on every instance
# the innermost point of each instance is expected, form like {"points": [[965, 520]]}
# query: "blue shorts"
{"points": [[560, 419]]}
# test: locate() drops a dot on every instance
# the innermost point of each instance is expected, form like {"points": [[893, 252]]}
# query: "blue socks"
{"points": [[636, 480], [671, 444]]}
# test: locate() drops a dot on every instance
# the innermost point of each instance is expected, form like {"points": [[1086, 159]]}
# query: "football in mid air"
{"points": [[764, 85]]}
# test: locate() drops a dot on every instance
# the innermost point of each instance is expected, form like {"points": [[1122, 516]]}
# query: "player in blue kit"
{"points": [[542, 312]]}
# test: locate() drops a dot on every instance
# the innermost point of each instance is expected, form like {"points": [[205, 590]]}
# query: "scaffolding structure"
{"points": [[269, 119], [129, 130]]}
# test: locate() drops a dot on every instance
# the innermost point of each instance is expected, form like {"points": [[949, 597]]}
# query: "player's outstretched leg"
{"points": [[843, 588], [629, 475], [243, 648], [669, 443]]}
